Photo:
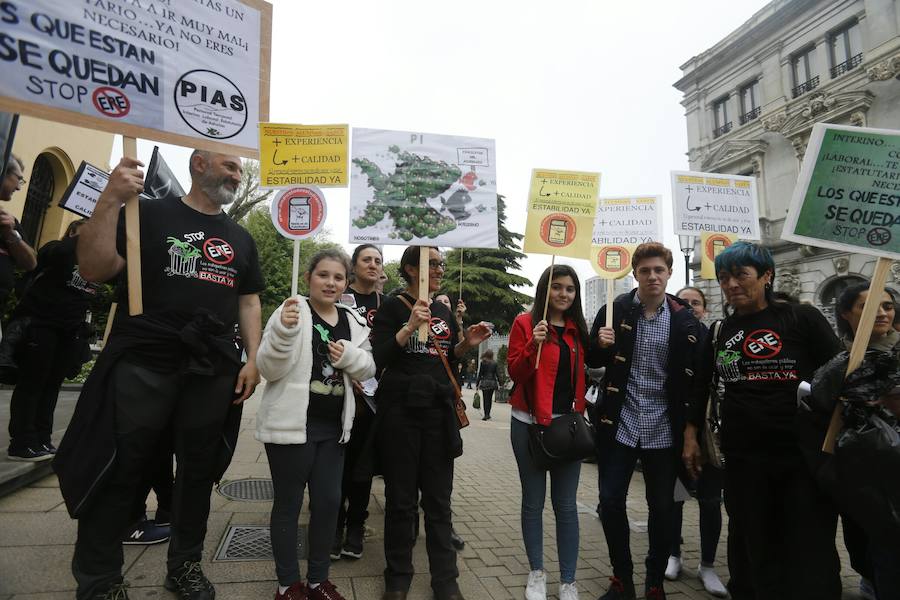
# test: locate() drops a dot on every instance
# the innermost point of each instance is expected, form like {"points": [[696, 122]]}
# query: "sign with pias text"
{"points": [[848, 194], [193, 74]]}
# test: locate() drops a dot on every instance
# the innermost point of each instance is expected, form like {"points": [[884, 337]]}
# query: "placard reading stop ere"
{"points": [[298, 212]]}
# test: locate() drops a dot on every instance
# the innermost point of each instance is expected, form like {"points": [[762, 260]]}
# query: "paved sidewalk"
{"points": [[37, 536]]}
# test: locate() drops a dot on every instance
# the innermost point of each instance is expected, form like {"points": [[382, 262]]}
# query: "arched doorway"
{"points": [[832, 290], [41, 186]]}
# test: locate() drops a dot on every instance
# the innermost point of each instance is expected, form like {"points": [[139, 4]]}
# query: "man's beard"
{"points": [[217, 189]]}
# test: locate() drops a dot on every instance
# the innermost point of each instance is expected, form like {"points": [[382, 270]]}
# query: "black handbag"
{"points": [[568, 438]]}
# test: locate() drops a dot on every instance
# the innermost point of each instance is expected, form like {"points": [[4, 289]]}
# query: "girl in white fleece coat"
{"points": [[311, 350]]}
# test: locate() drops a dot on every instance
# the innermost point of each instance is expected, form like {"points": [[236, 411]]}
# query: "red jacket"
{"points": [[540, 382]]}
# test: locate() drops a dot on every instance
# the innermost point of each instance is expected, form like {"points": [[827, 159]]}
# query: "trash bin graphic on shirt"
{"points": [[182, 258], [727, 364]]}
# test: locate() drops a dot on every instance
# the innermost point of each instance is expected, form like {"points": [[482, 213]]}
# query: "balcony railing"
{"points": [[722, 130], [749, 116], [806, 86], [850, 63]]}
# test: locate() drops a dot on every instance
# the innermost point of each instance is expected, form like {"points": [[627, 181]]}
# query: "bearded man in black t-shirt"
{"points": [[176, 365]]}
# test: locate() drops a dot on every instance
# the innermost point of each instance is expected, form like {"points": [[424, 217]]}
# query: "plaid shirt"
{"points": [[644, 420]]}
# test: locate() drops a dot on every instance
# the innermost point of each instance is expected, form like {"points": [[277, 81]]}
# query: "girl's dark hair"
{"points": [[845, 303], [410, 258], [488, 355], [574, 312], [693, 289], [335, 254]]}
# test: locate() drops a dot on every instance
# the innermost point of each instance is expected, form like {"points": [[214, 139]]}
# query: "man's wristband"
{"points": [[12, 237]]}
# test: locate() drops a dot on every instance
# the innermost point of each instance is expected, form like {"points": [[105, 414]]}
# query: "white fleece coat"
{"points": [[285, 360]]}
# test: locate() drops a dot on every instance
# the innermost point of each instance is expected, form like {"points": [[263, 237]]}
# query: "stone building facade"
{"points": [[752, 99]]}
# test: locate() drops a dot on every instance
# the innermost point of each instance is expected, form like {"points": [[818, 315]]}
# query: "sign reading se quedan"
{"points": [[848, 194]]}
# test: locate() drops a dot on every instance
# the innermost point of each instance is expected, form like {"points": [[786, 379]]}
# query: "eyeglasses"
{"points": [[434, 265], [19, 177]]}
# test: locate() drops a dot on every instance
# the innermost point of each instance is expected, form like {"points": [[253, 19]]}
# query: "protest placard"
{"points": [[848, 193], [420, 188], [297, 213], [561, 210], [194, 74], [715, 202], [622, 224], [291, 155], [711, 245]]}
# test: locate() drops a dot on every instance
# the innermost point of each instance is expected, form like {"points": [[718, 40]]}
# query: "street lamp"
{"points": [[687, 246]]}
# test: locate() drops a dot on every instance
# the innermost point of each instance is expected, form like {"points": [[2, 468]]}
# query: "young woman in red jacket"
{"points": [[540, 395]]}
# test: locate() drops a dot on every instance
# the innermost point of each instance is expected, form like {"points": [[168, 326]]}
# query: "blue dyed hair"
{"points": [[745, 254]]}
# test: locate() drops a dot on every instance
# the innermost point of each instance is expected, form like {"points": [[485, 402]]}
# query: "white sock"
{"points": [[282, 589], [312, 585]]}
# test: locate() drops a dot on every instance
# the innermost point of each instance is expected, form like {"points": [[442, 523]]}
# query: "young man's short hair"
{"points": [[651, 250]]}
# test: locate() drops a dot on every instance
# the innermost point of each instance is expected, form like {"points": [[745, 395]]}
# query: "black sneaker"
{"points": [[336, 546], [619, 590], [49, 447], [458, 542], [28, 455], [162, 517], [189, 582], [118, 591], [147, 532], [353, 545]]}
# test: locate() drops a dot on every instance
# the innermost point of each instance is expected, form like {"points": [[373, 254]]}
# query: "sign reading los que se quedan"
{"points": [[193, 73]]}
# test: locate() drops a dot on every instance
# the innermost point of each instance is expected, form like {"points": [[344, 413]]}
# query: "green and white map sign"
{"points": [[848, 194]]}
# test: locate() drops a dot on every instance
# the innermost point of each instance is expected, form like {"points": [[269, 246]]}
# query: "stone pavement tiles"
{"points": [[37, 536]]}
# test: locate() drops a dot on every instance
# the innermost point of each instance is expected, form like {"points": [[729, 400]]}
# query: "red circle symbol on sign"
{"points": [[762, 343], [715, 244], [218, 251], [558, 230], [298, 212], [111, 102], [614, 258]]}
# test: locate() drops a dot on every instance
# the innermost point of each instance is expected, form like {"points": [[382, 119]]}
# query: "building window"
{"points": [[802, 67], [844, 49], [750, 108], [720, 117]]}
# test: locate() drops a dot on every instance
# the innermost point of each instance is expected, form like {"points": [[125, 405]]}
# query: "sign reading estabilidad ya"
{"points": [[188, 73], [715, 203], [848, 194]]}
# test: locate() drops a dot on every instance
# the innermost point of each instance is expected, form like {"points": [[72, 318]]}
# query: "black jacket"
{"points": [[685, 333]]}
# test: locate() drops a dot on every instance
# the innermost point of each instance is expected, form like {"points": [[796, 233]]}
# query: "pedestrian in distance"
{"points": [[764, 348], [487, 381], [311, 352], [649, 356]]}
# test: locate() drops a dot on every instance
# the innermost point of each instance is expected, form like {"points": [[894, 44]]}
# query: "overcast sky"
{"points": [[572, 84]]}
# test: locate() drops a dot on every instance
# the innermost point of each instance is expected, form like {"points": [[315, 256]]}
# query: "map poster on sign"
{"points": [[193, 74], [848, 195], [298, 212], [291, 155], [711, 245], [423, 189], [716, 203], [561, 210]]}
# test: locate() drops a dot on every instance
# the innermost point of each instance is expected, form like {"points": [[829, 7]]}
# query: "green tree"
{"points": [[275, 256], [394, 281], [248, 194], [488, 278]]}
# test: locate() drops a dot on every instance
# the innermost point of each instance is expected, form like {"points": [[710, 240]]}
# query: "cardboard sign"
{"points": [[561, 210], [612, 261], [298, 212], [423, 189], [848, 195], [711, 245], [292, 155], [628, 220], [715, 202], [84, 190], [194, 74]]}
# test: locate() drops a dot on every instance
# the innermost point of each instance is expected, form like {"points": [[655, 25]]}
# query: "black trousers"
{"points": [[160, 479], [147, 403], [488, 396], [413, 447], [43, 360], [788, 529], [354, 509]]}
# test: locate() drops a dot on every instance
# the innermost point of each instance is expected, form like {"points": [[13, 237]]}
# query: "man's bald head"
{"points": [[216, 175]]}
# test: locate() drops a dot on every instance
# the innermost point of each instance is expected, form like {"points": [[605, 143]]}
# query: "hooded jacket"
{"points": [[285, 360]]}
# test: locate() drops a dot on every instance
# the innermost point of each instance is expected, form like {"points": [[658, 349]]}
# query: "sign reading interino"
{"points": [[187, 73], [715, 203], [422, 189], [302, 155], [848, 194], [561, 210]]}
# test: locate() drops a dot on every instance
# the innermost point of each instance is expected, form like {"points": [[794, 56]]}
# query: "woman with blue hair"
{"points": [[782, 539]]}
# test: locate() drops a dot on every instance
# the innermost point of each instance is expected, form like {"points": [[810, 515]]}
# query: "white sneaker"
{"points": [[673, 568], [711, 582], [568, 591], [537, 586]]}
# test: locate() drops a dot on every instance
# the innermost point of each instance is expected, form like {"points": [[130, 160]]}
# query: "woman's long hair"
{"points": [[574, 312]]}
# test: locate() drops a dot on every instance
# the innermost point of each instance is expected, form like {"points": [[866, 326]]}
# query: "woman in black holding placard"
{"points": [[418, 431]]}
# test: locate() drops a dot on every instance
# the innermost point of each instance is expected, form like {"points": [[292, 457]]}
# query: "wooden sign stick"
{"points": [[610, 298], [133, 240], [295, 268], [424, 254], [537, 361], [109, 323], [860, 344], [461, 252]]}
